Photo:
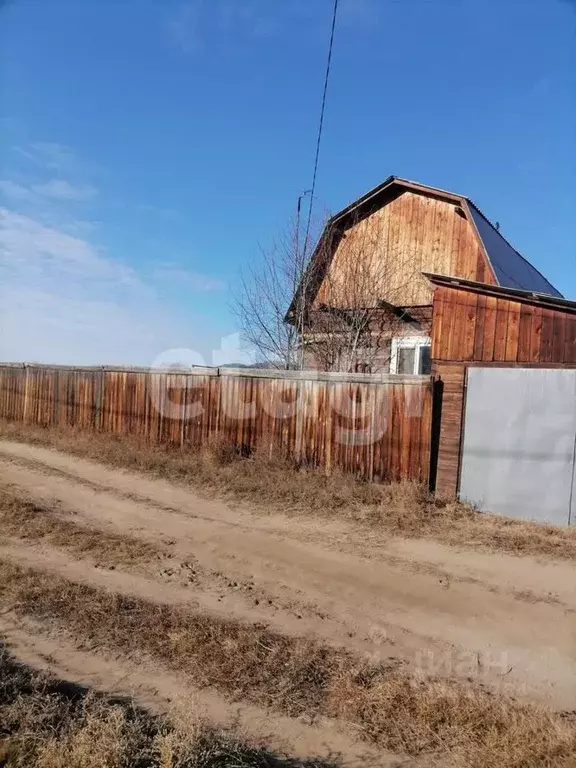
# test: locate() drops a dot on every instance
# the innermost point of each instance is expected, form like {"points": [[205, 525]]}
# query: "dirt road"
{"points": [[510, 622]]}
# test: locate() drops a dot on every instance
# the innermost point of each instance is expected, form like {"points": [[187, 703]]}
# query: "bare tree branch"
{"points": [[347, 322]]}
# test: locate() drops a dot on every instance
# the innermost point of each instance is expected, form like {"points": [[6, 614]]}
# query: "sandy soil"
{"points": [[509, 622]]}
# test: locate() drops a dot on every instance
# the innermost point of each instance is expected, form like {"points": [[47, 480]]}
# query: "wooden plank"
{"points": [[489, 329], [406, 431], [570, 340], [558, 337], [424, 435], [513, 332], [500, 334], [457, 245], [479, 328], [452, 379], [458, 310], [447, 239], [547, 336], [438, 324], [445, 341], [394, 456], [535, 335], [524, 334], [469, 330]]}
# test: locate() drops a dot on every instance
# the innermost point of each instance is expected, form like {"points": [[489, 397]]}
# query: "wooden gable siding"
{"points": [[475, 327], [411, 234]]}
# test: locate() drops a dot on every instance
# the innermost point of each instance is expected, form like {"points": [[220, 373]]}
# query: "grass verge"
{"points": [[460, 725], [404, 509], [29, 521], [47, 723]]}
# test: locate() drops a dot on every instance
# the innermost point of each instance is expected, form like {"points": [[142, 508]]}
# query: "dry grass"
{"points": [[455, 724], [246, 661], [45, 723], [405, 509], [408, 510], [27, 520], [467, 725]]}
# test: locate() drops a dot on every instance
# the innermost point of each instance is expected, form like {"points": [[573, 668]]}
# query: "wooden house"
{"points": [[410, 279], [365, 303]]}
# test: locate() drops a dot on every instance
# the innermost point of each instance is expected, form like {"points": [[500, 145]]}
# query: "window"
{"points": [[411, 356]]}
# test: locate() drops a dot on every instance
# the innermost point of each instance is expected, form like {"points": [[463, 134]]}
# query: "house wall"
{"points": [[383, 255], [471, 329], [474, 327], [364, 360], [373, 358]]}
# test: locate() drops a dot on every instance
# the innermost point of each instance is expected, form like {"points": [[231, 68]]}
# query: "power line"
{"points": [[321, 126]]}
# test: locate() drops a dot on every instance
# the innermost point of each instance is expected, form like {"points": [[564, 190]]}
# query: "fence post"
{"points": [[26, 394]]}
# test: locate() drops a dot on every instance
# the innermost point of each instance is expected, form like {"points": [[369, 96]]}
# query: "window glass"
{"points": [[425, 364], [406, 359]]}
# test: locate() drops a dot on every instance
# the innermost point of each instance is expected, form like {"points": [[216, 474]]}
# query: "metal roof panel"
{"points": [[511, 269]]}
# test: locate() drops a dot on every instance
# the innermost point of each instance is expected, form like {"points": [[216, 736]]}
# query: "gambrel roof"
{"points": [[509, 267]]}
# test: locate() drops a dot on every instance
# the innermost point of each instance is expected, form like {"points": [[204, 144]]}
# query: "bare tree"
{"points": [[268, 287], [344, 305]]}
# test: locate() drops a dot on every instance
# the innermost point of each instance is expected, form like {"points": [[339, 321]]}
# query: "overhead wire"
{"points": [[321, 126]]}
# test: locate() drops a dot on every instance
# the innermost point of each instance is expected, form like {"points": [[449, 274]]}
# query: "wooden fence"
{"points": [[378, 427]]}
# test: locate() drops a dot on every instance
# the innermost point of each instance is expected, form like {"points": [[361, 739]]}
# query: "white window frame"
{"points": [[408, 342]]}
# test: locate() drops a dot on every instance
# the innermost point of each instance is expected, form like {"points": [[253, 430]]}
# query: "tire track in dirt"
{"points": [[160, 691], [372, 605]]}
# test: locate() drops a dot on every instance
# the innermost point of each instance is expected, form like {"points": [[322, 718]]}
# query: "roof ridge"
{"points": [[429, 186], [386, 183]]}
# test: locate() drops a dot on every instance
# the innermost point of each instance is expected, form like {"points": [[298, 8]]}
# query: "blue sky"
{"points": [[150, 146]]}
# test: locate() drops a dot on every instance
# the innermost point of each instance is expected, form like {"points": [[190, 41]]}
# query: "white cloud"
{"points": [[62, 300], [54, 190], [14, 191], [52, 155], [60, 189], [79, 227], [24, 238]]}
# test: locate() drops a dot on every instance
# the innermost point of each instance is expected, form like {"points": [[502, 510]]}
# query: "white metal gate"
{"points": [[518, 455]]}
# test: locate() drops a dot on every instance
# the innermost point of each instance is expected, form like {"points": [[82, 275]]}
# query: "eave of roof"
{"points": [[529, 297]]}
